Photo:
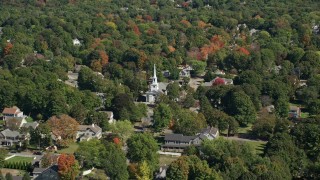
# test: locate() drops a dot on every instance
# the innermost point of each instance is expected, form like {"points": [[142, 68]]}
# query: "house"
{"points": [[110, 117], [15, 122], [270, 109], [185, 71], [12, 112], [17, 178], [179, 142], [166, 73], [162, 172], [9, 138], [218, 81], [51, 159], [32, 125], [46, 173], [219, 72], [87, 132], [76, 42], [294, 112]]}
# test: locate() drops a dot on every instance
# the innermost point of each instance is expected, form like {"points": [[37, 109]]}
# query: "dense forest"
{"points": [[268, 48]]}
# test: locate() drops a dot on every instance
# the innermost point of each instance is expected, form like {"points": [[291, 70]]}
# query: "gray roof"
{"points": [[9, 133], [178, 137], [93, 128], [30, 124], [211, 130], [49, 173], [17, 178], [294, 108]]}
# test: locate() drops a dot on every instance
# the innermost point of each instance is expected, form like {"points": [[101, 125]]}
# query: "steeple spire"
{"points": [[155, 79], [154, 85]]}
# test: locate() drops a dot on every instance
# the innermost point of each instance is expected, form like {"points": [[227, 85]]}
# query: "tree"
{"points": [[282, 107], [26, 176], [282, 146], [13, 124], [114, 162], [68, 167], [306, 137], [173, 91], [89, 152], [123, 128], [65, 127], [178, 169], [162, 116], [241, 107], [143, 147], [9, 176], [3, 154], [188, 123], [41, 136], [47, 160], [198, 67], [144, 172], [189, 101], [264, 127]]}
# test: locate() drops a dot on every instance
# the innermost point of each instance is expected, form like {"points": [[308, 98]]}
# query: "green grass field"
{"points": [[166, 159], [69, 150], [258, 146], [19, 159]]}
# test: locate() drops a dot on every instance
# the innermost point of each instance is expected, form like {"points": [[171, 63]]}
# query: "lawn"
{"points": [[19, 159], [29, 119], [258, 146], [245, 130], [166, 159], [69, 150], [241, 130]]}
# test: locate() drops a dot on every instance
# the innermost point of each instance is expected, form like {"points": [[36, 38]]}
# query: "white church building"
{"points": [[155, 88]]}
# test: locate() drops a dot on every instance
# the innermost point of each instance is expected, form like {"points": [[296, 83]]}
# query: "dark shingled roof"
{"points": [[178, 137]]}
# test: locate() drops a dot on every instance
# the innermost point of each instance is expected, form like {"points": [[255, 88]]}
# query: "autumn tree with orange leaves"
{"points": [[8, 48], [68, 167], [64, 128]]}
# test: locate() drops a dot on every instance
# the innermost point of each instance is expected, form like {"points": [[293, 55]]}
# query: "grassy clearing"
{"points": [[19, 159], [245, 130], [29, 119], [257, 146], [69, 150], [166, 159]]}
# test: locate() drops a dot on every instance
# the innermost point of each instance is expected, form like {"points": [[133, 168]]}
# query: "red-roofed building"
{"points": [[13, 112]]}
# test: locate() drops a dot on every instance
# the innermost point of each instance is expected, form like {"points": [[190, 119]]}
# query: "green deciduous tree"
{"points": [[114, 162], [242, 108], [143, 147], [162, 116], [89, 152]]}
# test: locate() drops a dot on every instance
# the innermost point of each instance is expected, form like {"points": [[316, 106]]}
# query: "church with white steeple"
{"points": [[155, 88]]}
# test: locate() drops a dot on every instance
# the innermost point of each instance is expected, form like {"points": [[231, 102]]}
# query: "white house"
{"points": [[13, 112], [76, 42], [87, 132]]}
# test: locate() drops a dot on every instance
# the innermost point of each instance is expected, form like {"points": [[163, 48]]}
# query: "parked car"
{"points": [[37, 153]]}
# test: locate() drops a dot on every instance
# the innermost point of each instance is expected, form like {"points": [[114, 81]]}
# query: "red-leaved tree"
{"points": [[68, 167]]}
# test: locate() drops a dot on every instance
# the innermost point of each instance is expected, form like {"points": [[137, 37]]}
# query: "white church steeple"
{"points": [[154, 85]]}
